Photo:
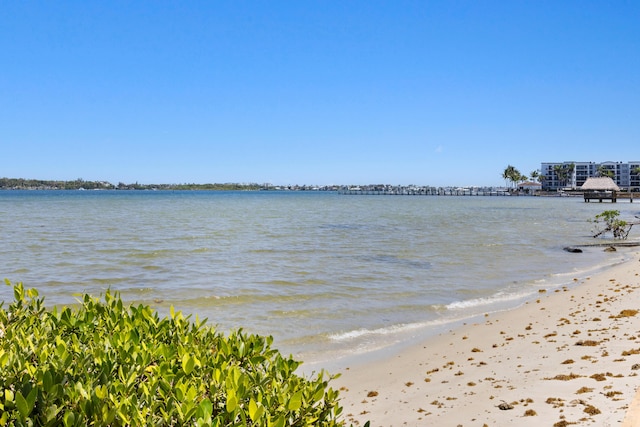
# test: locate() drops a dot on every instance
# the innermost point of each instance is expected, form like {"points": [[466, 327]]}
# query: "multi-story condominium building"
{"points": [[573, 174]]}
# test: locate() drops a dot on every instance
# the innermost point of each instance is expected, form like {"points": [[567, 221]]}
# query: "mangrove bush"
{"points": [[106, 363], [609, 221]]}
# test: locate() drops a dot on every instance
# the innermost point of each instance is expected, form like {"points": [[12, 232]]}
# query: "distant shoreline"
{"points": [[385, 189], [9, 184], [81, 184]]}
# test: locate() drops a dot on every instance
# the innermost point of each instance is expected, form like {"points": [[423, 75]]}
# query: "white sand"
{"points": [[570, 358]]}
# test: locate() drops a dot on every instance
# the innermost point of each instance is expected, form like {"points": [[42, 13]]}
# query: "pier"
{"points": [[600, 196], [388, 190], [607, 195], [427, 191]]}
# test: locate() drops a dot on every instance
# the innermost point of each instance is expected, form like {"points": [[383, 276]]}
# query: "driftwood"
{"points": [[614, 244], [576, 248]]}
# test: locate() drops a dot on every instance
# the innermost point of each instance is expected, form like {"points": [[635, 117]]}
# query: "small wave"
{"points": [[281, 283], [199, 250], [300, 314], [315, 282], [394, 260], [107, 281], [262, 251], [343, 226], [480, 302], [389, 330], [596, 267], [143, 254]]}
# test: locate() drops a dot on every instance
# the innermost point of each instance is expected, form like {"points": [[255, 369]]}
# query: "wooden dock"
{"points": [[606, 195], [428, 192], [600, 196]]}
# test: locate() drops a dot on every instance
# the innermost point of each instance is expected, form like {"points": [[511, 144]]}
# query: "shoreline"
{"points": [[570, 357], [407, 335]]}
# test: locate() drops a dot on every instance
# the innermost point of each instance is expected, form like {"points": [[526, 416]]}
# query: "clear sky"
{"points": [[315, 92]]}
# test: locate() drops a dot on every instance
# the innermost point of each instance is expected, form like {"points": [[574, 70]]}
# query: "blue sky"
{"points": [[315, 92]]}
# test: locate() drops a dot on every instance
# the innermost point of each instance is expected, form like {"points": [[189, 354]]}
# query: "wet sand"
{"points": [[570, 357]]}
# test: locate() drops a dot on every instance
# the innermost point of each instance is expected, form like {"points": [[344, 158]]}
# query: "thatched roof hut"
{"points": [[603, 183], [600, 188]]}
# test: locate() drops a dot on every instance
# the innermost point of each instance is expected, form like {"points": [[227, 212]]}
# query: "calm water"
{"points": [[326, 274]]}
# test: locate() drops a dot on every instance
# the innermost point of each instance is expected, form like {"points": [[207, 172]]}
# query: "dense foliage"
{"points": [[104, 363]]}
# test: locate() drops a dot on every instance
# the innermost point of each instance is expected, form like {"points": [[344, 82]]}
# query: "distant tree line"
{"points": [[37, 184], [78, 184]]}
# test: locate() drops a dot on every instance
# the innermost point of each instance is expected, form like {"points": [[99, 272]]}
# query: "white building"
{"points": [[572, 175], [530, 187]]}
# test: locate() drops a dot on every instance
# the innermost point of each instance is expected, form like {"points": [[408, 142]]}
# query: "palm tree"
{"points": [[542, 179], [521, 178], [564, 172], [535, 175], [508, 174], [512, 174], [603, 171], [560, 172]]}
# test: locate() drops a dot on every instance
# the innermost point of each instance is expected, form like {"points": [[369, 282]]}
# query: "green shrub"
{"points": [[608, 221], [104, 363]]}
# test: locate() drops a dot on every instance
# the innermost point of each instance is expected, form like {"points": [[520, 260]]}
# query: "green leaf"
{"points": [[101, 392], [256, 410], [191, 394], [69, 419], [205, 409], [296, 401], [232, 401], [22, 405], [188, 363], [51, 413], [180, 391], [31, 399], [18, 292], [278, 423], [47, 381]]}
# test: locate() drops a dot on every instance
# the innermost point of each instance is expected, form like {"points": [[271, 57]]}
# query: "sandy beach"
{"points": [[570, 357]]}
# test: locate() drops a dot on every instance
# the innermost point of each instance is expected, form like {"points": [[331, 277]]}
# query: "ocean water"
{"points": [[327, 275]]}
